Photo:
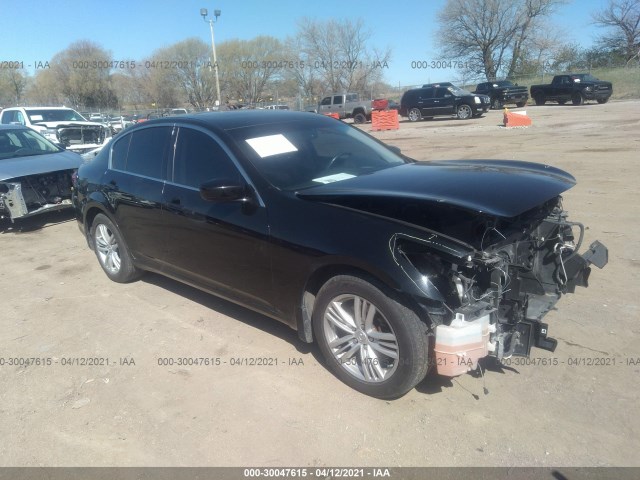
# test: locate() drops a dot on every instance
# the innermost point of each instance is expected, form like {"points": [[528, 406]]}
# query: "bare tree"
{"points": [[13, 83], [622, 18], [44, 89], [186, 65], [338, 50], [490, 35], [247, 66], [82, 74]]}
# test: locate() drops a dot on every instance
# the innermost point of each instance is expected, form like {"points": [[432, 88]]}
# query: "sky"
{"points": [[34, 31]]}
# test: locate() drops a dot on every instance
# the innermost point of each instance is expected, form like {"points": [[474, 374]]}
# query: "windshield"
{"points": [[585, 77], [293, 156], [57, 115], [458, 91], [24, 143]]}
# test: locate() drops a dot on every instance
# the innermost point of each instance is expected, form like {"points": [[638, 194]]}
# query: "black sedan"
{"points": [[392, 266]]}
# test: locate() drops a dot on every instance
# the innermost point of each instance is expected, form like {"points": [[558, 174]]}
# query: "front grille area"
{"points": [[81, 135]]}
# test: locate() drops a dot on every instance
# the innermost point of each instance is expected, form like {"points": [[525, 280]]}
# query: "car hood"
{"points": [[36, 164], [501, 188]]}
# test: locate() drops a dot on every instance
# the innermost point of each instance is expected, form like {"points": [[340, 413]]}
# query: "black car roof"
{"points": [[238, 119]]}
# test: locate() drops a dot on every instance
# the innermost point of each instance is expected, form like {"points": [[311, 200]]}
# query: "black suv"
{"points": [[442, 99]]}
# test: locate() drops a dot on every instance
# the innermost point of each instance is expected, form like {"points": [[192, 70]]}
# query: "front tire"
{"points": [[464, 112], [370, 341], [602, 100], [111, 250]]}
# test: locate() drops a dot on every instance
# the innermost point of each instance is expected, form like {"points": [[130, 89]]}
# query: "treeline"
{"points": [[323, 56], [498, 39], [486, 39]]}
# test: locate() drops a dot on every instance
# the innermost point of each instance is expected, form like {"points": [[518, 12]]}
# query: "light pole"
{"points": [[216, 13]]}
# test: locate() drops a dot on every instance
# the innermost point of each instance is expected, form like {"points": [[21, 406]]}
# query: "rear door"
{"points": [[134, 184], [220, 246], [426, 102]]}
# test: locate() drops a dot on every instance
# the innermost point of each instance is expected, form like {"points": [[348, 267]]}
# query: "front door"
{"points": [[220, 246]]}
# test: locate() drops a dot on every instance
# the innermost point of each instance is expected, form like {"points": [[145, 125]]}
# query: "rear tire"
{"points": [[521, 104], [370, 341], [496, 103], [112, 252], [359, 118], [577, 99], [539, 98], [414, 115]]}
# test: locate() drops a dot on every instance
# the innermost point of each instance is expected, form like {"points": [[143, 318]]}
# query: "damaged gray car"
{"points": [[35, 175]]}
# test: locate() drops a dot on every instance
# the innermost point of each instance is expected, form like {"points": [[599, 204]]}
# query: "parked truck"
{"points": [[346, 105], [503, 92], [574, 87]]}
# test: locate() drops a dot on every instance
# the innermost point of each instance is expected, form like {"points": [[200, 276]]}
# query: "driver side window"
{"points": [[200, 158]]}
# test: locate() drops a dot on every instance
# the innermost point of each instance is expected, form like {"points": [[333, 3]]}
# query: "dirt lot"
{"points": [[578, 407]]}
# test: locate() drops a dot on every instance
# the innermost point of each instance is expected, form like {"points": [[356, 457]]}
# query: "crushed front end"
{"points": [[34, 194], [493, 291]]}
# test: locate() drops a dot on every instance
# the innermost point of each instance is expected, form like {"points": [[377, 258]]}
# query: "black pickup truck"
{"points": [[503, 92], [577, 87]]}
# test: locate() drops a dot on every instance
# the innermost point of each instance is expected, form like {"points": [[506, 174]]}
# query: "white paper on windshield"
{"points": [[271, 145], [36, 118], [333, 178]]}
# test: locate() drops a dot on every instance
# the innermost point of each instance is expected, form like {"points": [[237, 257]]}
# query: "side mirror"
{"points": [[225, 190]]}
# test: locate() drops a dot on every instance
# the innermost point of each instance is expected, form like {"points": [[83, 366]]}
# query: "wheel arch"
{"points": [[95, 205], [324, 273]]}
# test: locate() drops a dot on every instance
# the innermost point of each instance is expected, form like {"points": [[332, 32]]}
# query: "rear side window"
{"points": [[119, 153], [12, 116], [148, 150], [337, 100], [200, 158], [426, 93]]}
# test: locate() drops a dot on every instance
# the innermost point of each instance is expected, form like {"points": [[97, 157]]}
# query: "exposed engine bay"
{"points": [[488, 294], [33, 194], [81, 138]]}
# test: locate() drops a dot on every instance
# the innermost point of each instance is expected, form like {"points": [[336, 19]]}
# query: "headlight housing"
{"points": [[477, 100]]}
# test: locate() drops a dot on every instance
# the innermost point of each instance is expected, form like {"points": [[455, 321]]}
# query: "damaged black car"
{"points": [[392, 266]]}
